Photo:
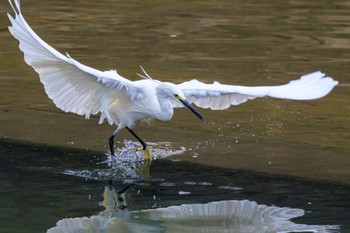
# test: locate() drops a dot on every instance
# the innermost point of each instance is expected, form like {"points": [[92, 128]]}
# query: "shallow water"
{"points": [[274, 152]]}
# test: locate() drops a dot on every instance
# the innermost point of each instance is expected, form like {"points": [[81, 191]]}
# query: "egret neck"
{"points": [[166, 109]]}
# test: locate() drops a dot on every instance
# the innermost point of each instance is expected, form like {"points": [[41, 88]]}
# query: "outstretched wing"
{"points": [[218, 96], [72, 86]]}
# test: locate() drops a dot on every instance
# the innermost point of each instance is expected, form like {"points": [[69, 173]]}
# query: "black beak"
{"points": [[189, 106]]}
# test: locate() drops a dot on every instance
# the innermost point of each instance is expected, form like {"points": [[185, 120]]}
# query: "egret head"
{"points": [[174, 92]]}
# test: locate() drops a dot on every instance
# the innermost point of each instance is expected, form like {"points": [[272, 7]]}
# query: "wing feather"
{"points": [[218, 96], [72, 86]]}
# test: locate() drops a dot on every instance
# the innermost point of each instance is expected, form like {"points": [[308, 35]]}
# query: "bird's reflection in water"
{"points": [[223, 216]]}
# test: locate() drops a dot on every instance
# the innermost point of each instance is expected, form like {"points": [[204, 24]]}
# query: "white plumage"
{"points": [[83, 90], [218, 96]]}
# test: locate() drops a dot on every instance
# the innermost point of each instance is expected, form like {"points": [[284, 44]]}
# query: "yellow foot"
{"points": [[145, 169], [146, 152]]}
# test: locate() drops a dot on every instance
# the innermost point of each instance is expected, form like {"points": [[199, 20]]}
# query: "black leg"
{"points": [[144, 145], [111, 144], [111, 141]]}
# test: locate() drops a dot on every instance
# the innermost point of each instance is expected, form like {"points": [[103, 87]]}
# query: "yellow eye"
{"points": [[178, 97]]}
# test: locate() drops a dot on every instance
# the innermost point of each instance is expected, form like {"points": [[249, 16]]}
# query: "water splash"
{"points": [[158, 150], [129, 164]]}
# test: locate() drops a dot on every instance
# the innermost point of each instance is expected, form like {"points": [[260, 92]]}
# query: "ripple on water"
{"points": [[227, 187], [221, 216]]}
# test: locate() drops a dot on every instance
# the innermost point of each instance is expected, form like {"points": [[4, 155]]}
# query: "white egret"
{"points": [[83, 90]]}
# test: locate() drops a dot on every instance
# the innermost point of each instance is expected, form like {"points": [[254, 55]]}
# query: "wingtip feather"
{"points": [[16, 6], [309, 86]]}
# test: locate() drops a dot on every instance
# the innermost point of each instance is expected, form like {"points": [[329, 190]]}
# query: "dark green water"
{"points": [[36, 194]]}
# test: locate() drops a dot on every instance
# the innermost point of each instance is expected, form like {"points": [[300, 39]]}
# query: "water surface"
{"points": [[37, 193], [286, 153]]}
